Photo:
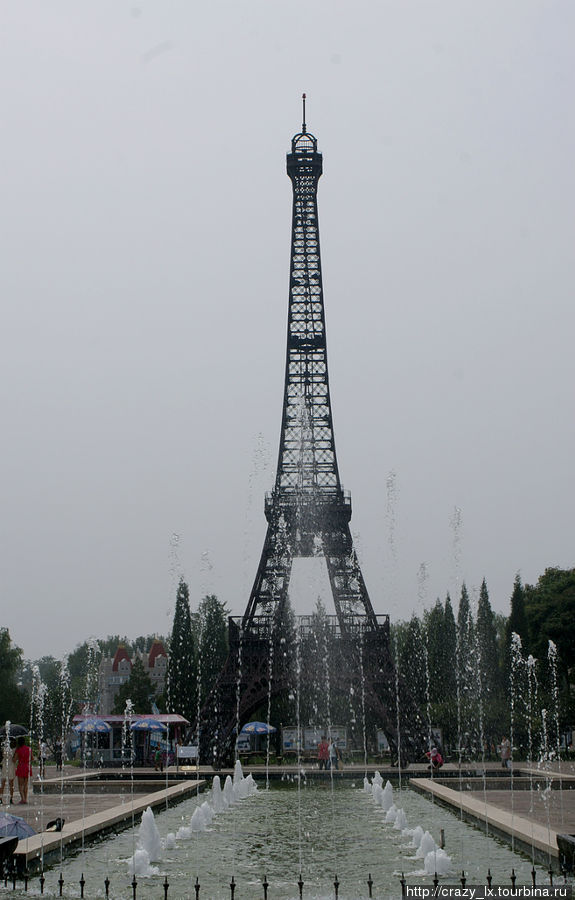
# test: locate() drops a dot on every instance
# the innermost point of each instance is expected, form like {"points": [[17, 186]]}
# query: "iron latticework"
{"points": [[308, 514]]}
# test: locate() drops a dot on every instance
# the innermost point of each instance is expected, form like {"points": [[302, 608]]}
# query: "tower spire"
{"points": [[303, 128]]}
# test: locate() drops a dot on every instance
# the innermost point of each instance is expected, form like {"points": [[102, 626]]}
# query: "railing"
{"points": [[447, 889], [262, 627]]}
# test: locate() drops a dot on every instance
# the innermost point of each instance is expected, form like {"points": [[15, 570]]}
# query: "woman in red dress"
{"points": [[23, 763]]}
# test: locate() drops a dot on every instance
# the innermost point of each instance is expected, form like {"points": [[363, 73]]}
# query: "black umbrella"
{"points": [[13, 730]]}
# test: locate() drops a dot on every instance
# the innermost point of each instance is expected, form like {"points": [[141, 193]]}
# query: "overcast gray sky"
{"points": [[146, 220]]}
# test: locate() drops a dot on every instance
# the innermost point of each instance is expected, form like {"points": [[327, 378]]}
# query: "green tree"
{"points": [[438, 664], [212, 630], [517, 622], [487, 649], [550, 612], [489, 670], [14, 701], [60, 704], [316, 653], [182, 672], [281, 707], [412, 662], [549, 608], [441, 639], [466, 671], [83, 667], [450, 650], [138, 688]]}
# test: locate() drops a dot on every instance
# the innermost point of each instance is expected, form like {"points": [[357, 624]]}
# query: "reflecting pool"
{"points": [[321, 829]]}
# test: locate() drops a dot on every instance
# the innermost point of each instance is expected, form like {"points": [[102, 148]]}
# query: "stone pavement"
{"points": [[45, 806], [528, 811], [90, 807]]}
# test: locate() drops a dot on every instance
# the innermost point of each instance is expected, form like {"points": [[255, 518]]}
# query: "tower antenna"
{"points": [[303, 128]]}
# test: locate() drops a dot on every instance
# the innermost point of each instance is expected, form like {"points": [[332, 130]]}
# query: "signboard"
{"points": [[338, 733], [290, 738], [189, 752], [437, 736], [311, 736], [382, 742]]}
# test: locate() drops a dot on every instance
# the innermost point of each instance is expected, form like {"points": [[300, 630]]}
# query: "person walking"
{"points": [[323, 753], [23, 763]]}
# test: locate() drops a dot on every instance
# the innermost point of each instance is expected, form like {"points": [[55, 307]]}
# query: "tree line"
{"points": [[46, 693], [479, 675], [466, 666]]}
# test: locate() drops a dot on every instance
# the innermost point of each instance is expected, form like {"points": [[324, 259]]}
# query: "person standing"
{"points": [[505, 752], [43, 758], [58, 755], [8, 771], [23, 763], [323, 753], [333, 757]]}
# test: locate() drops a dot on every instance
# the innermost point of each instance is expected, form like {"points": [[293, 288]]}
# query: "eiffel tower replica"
{"points": [[308, 514]]}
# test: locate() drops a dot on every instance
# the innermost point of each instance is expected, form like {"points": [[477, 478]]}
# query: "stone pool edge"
{"points": [[530, 838], [34, 853]]}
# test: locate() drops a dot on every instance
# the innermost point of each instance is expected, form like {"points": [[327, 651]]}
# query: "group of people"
{"points": [[16, 766], [436, 760], [328, 754]]}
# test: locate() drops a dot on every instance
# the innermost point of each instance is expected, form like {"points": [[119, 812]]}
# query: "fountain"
{"points": [[315, 835], [306, 833]]}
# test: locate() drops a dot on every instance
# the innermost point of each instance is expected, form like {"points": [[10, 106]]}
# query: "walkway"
{"points": [[93, 804], [528, 810]]}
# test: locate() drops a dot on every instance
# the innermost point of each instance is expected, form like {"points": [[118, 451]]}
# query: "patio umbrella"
{"points": [[147, 724], [92, 725], [258, 728], [13, 730], [14, 826]]}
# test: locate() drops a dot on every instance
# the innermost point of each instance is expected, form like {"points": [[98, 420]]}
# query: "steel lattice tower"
{"points": [[308, 514]]}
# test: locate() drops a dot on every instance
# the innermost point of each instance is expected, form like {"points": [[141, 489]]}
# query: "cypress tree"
{"points": [[412, 661], [450, 648], [181, 677], [437, 661], [466, 668], [517, 622], [489, 669], [447, 712], [487, 651], [213, 642]]}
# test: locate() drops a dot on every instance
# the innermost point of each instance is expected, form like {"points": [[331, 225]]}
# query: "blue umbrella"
{"points": [[92, 725], [14, 826], [258, 728], [147, 724]]}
